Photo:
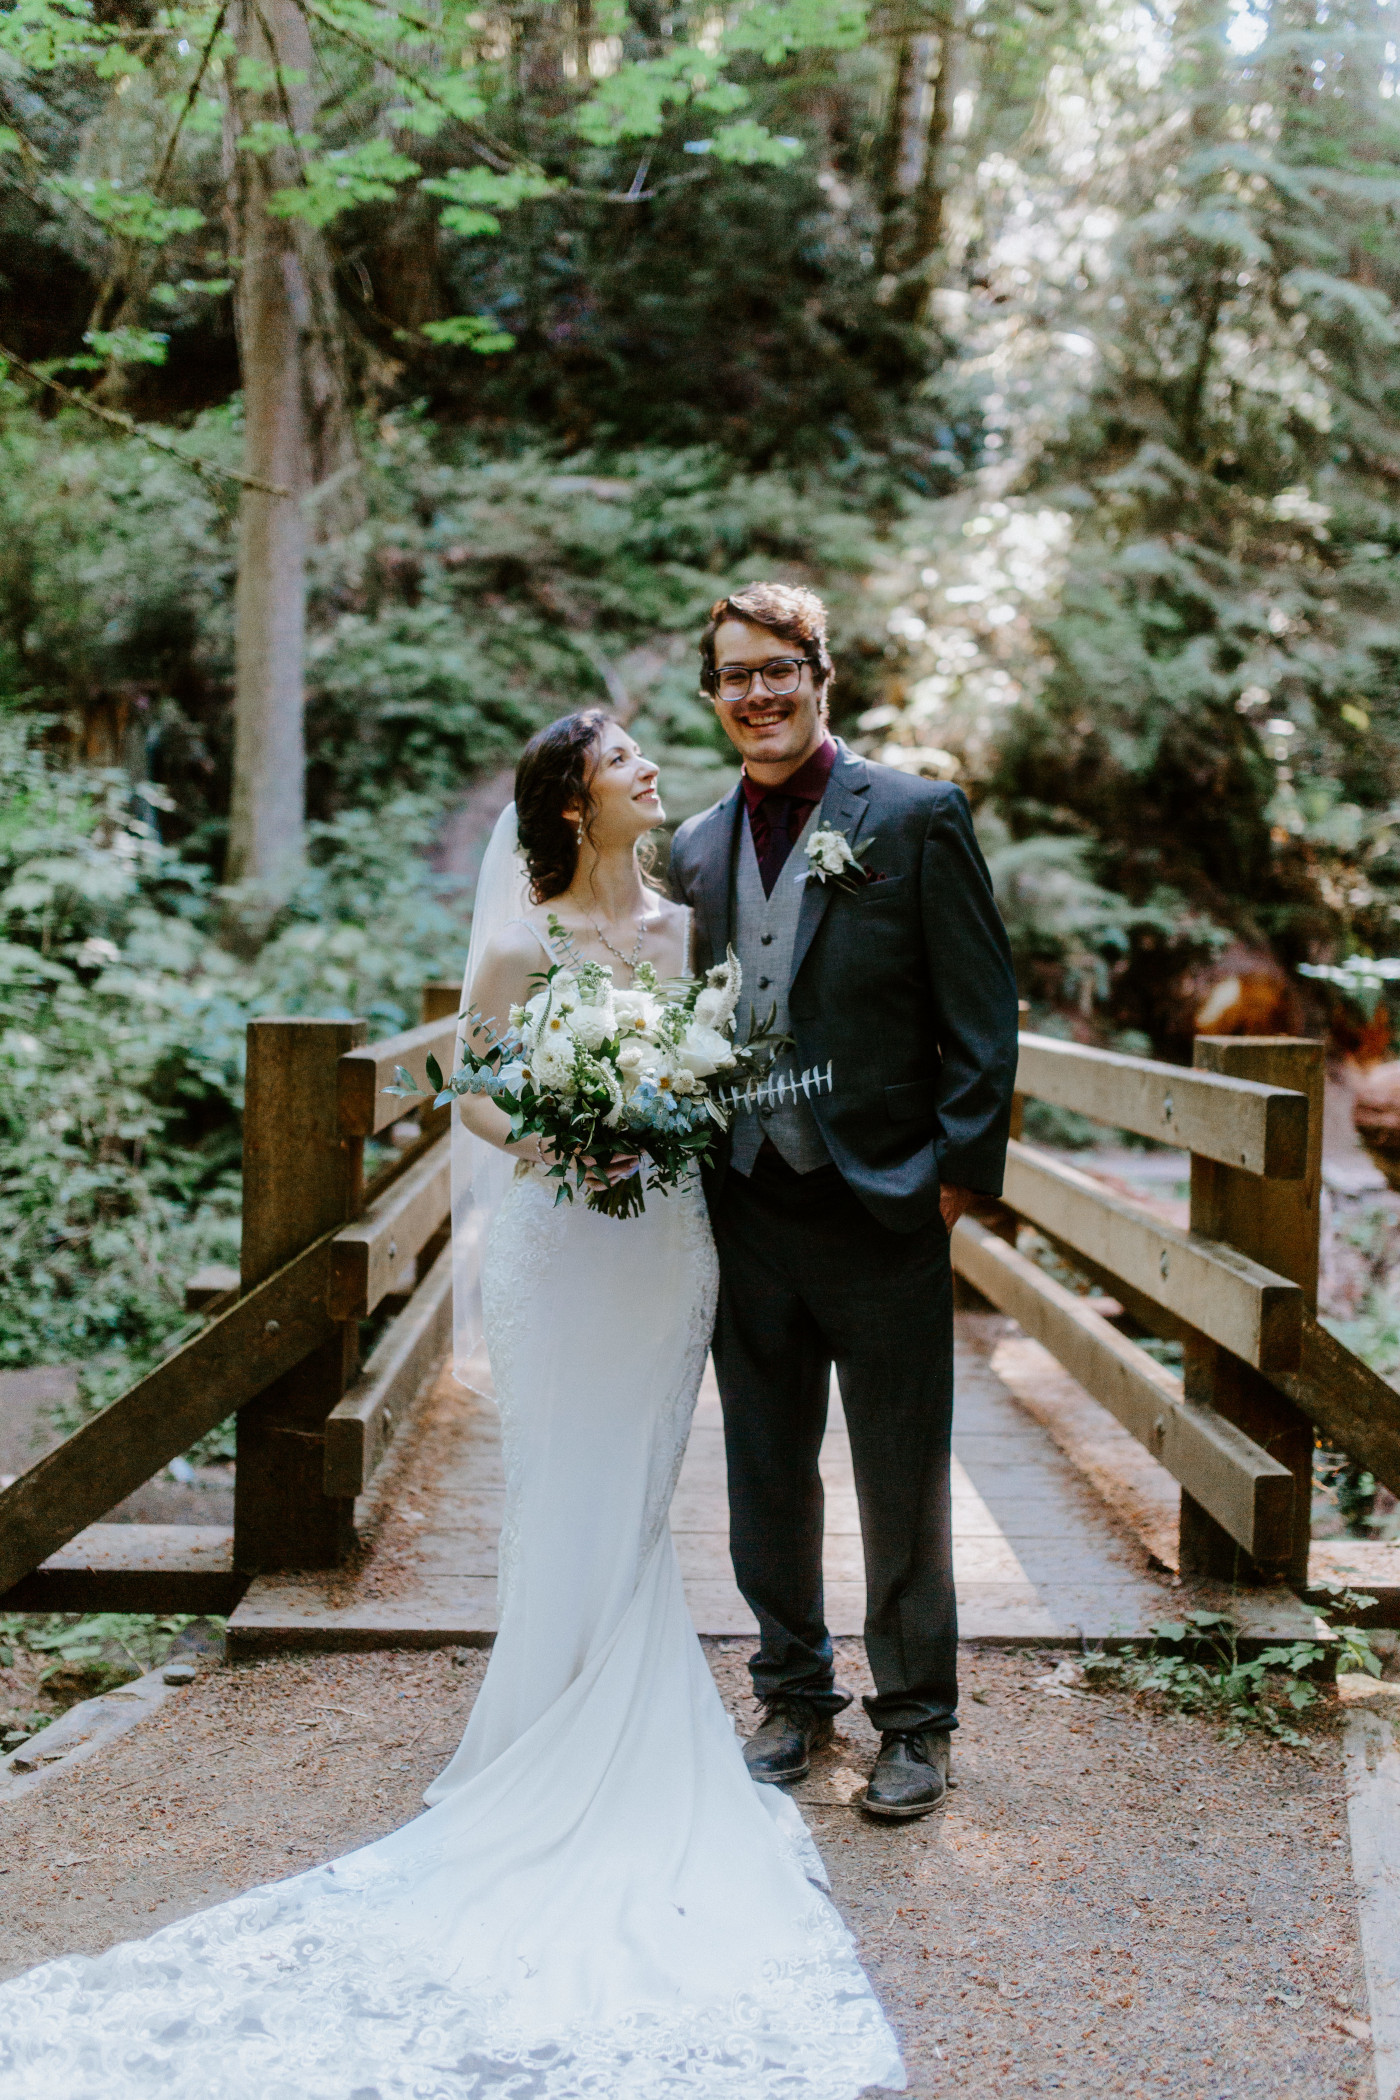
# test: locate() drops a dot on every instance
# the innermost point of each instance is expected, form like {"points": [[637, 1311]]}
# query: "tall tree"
{"points": [[319, 99], [299, 434]]}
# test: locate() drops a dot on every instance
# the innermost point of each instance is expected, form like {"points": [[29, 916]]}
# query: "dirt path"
{"points": [[1113, 1902]]}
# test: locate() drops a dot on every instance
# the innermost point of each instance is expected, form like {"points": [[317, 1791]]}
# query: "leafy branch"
{"points": [[208, 469]]}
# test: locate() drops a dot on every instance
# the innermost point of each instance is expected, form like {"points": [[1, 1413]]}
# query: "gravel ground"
{"points": [[1113, 1902]]}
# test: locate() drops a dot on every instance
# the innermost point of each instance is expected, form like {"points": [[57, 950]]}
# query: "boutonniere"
{"points": [[832, 858]]}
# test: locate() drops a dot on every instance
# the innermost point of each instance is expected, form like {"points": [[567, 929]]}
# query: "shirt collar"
{"points": [[807, 784]]}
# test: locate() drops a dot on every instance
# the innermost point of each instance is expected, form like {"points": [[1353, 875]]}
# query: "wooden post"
{"points": [[1276, 1223], [440, 1001], [300, 1178]]}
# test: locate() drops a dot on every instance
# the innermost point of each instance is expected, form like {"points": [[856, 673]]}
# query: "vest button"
{"points": [[766, 939], [763, 984]]}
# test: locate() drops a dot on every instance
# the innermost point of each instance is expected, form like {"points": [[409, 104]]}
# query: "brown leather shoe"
{"points": [[910, 1776], [780, 1748]]}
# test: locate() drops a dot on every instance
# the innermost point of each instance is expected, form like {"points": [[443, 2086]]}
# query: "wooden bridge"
{"points": [[367, 1497]]}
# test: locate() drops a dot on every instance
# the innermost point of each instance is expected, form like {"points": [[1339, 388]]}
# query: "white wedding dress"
{"points": [[598, 1902]]}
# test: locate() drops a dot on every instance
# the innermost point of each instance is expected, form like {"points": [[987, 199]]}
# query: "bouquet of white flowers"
{"points": [[598, 1073]]}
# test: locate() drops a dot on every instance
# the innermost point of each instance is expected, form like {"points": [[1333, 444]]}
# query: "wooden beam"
{"points": [[407, 1355], [1354, 1408], [234, 1358], [1235, 1301], [1276, 1223], [1263, 1129], [1247, 1492], [136, 1567], [364, 1106], [371, 1254]]}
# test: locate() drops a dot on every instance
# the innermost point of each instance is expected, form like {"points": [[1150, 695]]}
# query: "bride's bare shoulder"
{"points": [[515, 949], [672, 916]]}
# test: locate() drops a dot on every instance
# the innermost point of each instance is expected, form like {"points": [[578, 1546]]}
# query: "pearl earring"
{"points": [[579, 829]]}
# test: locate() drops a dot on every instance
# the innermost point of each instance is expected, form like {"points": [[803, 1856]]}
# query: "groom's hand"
{"points": [[952, 1203]]}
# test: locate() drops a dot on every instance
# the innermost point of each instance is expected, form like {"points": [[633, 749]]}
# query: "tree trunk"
{"points": [[899, 155], [912, 173], [298, 435], [925, 242]]}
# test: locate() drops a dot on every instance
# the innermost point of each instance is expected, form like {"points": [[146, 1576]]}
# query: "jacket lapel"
{"points": [[844, 808], [714, 860]]}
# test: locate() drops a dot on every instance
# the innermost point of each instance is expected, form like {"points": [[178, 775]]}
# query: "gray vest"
{"points": [[765, 932]]}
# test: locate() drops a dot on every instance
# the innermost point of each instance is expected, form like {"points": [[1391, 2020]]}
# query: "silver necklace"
{"points": [[635, 957]]}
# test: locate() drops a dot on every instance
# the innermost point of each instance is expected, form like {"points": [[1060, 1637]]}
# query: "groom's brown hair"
{"points": [[785, 609]]}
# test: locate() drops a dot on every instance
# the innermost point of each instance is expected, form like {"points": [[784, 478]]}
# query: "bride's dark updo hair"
{"points": [[552, 773]]}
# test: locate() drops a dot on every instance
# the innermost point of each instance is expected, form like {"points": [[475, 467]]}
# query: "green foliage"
{"points": [[471, 332], [1221, 711], [1195, 1666], [57, 1658], [368, 173], [1071, 936], [143, 1638], [486, 594], [577, 196], [121, 1043]]}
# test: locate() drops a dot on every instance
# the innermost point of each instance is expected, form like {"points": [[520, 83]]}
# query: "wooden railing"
{"points": [[1238, 1288], [323, 1250]]}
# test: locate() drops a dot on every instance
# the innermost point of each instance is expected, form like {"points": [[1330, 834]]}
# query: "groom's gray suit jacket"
{"points": [[904, 984]]}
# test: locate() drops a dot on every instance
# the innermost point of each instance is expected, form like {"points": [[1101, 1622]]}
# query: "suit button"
{"points": [[763, 984], [766, 940]]}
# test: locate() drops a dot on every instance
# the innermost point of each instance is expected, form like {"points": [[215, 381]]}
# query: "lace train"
{"points": [[598, 1903]]}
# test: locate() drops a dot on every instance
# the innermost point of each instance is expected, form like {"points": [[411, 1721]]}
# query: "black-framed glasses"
{"points": [[779, 676]]}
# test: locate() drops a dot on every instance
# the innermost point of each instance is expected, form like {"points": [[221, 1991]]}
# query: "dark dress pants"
{"points": [[808, 1279]]}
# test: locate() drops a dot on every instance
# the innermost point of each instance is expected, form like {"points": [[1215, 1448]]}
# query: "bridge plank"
{"points": [[1242, 1122], [364, 1107], [370, 1255], [136, 1567], [1245, 1490], [407, 1354], [1237, 1302], [227, 1364]]}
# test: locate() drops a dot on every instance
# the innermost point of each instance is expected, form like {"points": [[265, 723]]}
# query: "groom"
{"points": [[832, 1215]]}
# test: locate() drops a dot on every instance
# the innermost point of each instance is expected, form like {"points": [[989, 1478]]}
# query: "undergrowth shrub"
{"points": [[121, 1041]]}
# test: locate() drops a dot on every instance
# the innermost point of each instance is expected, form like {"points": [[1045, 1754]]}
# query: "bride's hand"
{"points": [[620, 1168]]}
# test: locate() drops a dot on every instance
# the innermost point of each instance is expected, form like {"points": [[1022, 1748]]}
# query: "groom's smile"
{"points": [[773, 732]]}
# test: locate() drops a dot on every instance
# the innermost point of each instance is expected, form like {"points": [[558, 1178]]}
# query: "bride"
{"points": [[599, 1901]]}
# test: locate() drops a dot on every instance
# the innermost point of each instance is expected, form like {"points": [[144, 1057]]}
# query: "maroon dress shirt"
{"points": [[777, 814]]}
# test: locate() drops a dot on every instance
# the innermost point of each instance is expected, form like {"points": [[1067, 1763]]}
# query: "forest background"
{"points": [[1055, 341]]}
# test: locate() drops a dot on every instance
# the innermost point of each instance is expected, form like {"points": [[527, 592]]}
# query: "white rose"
{"points": [[702, 1051], [830, 851], [630, 1059]]}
